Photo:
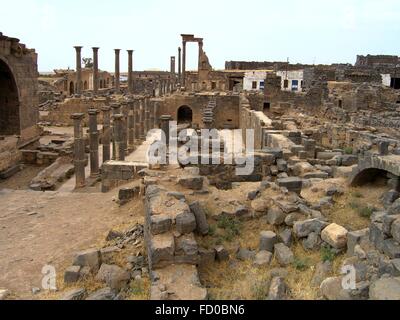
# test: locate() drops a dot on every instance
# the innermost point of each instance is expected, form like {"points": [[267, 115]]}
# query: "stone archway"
{"points": [[185, 115], [377, 167], [9, 102], [85, 86]]}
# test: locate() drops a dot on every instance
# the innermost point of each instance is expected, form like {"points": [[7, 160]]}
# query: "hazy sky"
{"points": [[306, 31]]}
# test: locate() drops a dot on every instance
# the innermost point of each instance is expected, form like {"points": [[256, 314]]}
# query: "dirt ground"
{"points": [[37, 229]]}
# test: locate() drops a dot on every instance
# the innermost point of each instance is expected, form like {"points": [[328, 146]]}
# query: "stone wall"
{"points": [[18, 65], [60, 113], [10, 155], [226, 113]]}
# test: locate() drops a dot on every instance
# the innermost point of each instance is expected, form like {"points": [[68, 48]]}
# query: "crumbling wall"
{"points": [[60, 113]]}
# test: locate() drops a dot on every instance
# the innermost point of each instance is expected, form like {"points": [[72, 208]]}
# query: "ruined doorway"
{"points": [[71, 88], [185, 115], [267, 107], [395, 83], [9, 102]]}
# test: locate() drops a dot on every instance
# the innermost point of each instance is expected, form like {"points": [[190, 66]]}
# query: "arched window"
{"points": [[71, 88], [185, 115], [9, 102]]}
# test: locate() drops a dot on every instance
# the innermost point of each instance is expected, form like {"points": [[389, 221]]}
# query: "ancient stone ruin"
{"points": [[318, 208]]}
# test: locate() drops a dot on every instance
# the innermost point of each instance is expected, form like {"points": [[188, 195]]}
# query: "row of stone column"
{"points": [[125, 126], [78, 50]]}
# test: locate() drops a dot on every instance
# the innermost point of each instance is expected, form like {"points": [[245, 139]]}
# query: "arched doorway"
{"points": [[9, 102], [85, 85], [71, 88], [185, 115]]}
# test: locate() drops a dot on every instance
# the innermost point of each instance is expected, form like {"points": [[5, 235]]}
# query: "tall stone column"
{"points": [[141, 120], [119, 144], [117, 70], [200, 54], [79, 150], [184, 64], [115, 110], [136, 108], [131, 126], [106, 133], [147, 117], [180, 66], [125, 112], [155, 114], [95, 70], [94, 143], [78, 69], [130, 71], [165, 126], [173, 68]]}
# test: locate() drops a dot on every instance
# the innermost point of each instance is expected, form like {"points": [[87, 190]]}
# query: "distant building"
{"points": [[65, 81], [255, 80], [292, 80]]}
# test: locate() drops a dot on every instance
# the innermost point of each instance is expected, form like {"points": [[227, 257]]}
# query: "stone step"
{"points": [[178, 282]]}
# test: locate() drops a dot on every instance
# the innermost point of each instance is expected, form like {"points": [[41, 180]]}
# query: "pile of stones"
{"points": [[98, 263]]}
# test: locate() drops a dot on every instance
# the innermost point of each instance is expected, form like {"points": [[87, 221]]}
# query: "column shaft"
{"points": [[184, 65], [106, 133], [79, 150], [94, 143], [119, 144], [95, 70], [117, 70], [78, 70], [131, 126], [180, 66], [130, 71]]}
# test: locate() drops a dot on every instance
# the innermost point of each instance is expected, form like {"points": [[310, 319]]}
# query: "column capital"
{"points": [[78, 48], [106, 109], [93, 112], [118, 116], [77, 116], [117, 50], [130, 51], [95, 48]]}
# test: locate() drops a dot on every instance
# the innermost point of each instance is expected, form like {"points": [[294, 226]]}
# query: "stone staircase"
{"points": [[208, 112]]}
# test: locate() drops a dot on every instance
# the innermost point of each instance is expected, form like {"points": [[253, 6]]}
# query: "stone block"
{"points": [[201, 218], [192, 182], [356, 238], [263, 259], [115, 277], [185, 223], [89, 258], [284, 255], [292, 184], [72, 274], [268, 239], [276, 216], [335, 236], [162, 250], [160, 224], [221, 254], [302, 229]]}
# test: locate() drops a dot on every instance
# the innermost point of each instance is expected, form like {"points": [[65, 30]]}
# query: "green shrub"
{"points": [[301, 264], [212, 230], [230, 225], [327, 254], [366, 212], [354, 205], [348, 150]]}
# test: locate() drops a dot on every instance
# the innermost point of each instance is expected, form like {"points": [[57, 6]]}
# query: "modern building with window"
{"points": [[292, 80]]}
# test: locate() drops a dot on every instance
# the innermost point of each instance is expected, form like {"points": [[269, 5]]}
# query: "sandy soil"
{"points": [[48, 228]]}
